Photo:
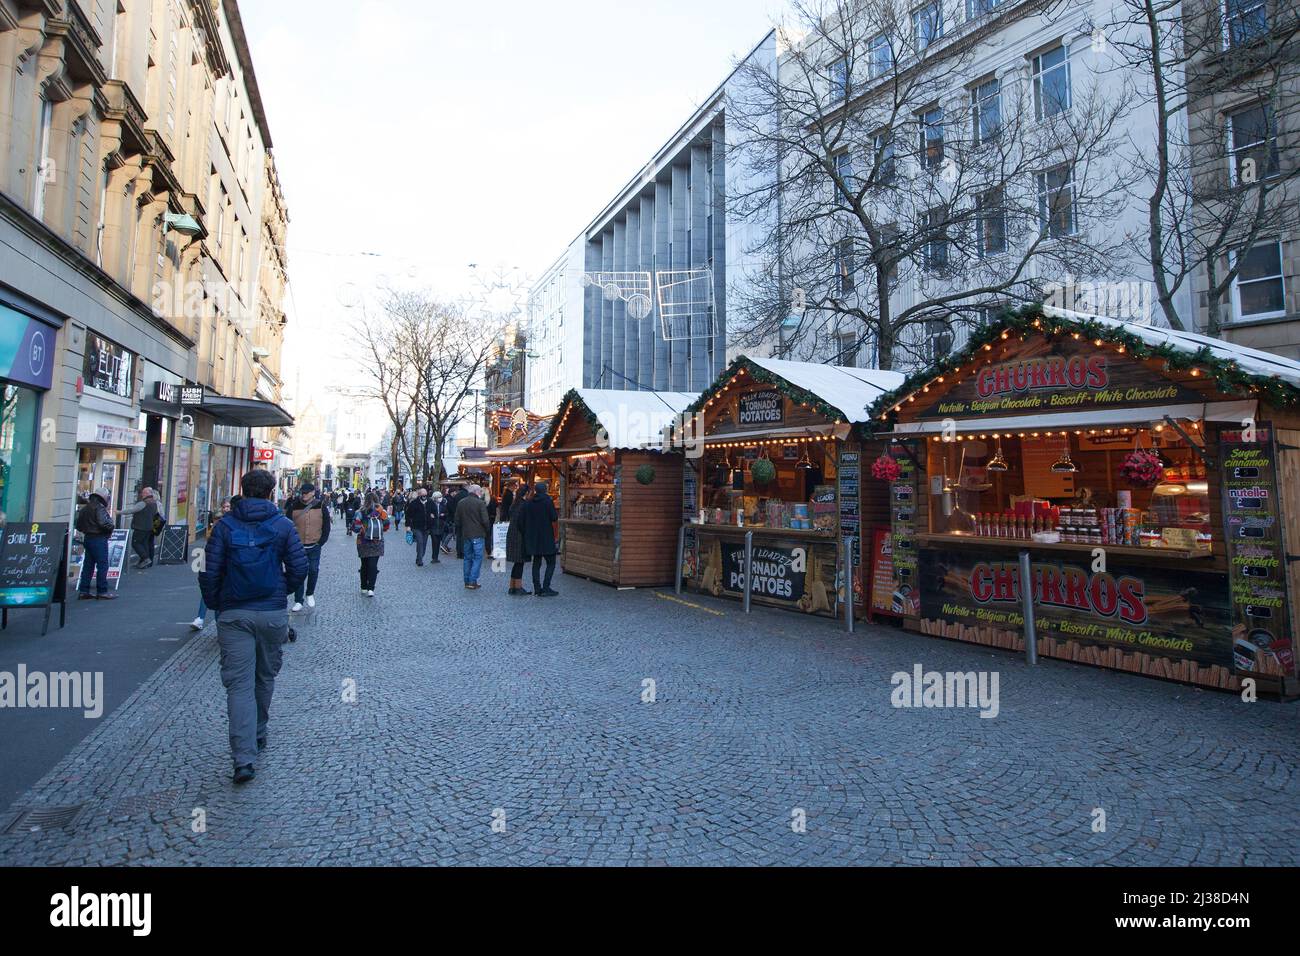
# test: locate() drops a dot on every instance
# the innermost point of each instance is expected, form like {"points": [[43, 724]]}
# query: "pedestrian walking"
{"points": [[370, 525], [310, 515], [507, 501], [144, 513], [96, 526], [400, 501], [453, 504], [539, 529], [472, 530], [421, 513], [515, 551], [202, 616], [444, 533], [253, 560]]}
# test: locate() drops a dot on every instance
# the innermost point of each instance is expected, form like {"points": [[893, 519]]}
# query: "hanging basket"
{"points": [[762, 471], [1142, 469], [886, 468], [646, 474]]}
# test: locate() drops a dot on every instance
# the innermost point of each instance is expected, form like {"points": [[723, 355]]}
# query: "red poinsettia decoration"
{"points": [[1143, 469], [886, 468]]}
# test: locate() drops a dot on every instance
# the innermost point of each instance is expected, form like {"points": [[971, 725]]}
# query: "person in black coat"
{"points": [[515, 551], [421, 518], [540, 517], [461, 494]]}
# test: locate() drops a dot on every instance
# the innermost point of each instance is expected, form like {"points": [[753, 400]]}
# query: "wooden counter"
{"points": [[1024, 544]]}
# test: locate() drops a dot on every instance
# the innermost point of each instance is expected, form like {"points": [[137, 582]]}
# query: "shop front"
{"points": [[620, 487], [520, 463], [773, 496], [26, 374], [1139, 479]]}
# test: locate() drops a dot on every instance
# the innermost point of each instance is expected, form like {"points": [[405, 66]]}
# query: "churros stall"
{"points": [[1142, 480], [774, 485], [620, 486]]}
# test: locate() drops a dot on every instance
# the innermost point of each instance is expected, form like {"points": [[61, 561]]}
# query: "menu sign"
{"points": [[690, 502], [29, 564], [1061, 377], [1261, 635], [850, 495], [761, 408], [904, 502]]}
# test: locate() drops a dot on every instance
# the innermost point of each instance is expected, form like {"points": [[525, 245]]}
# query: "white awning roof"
{"points": [[635, 419], [851, 390], [1238, 412], [1251, 361]]}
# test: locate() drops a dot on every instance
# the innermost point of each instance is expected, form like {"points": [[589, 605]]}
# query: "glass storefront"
{"points": [[18, 437], [102, 468]]}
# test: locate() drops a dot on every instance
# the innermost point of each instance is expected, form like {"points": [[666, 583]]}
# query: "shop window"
{"points": [[1252, 144], [1051, 72], [1260, 289], [18, 436]]}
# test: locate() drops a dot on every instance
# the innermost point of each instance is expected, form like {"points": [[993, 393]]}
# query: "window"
{"points": [[883, 145], [840, 79], [986, 111], [927, 25], [843, 161], [990, 223], [1051, 83], [845, 266], [108, 367], [1056, 202], [932, 137], [1245, 20], [848, 348], [44, 170], [1260, 290], [936, 246], [939, 340], [880, 54], [1252, 143], [977, 8]]}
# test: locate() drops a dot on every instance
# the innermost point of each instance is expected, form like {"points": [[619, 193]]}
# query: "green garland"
{"points": [[646, 474], [763, 377], [1228, 376], [572, 398]]}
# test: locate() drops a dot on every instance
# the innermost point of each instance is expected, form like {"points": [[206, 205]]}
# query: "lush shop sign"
{"points": [[761, 408], [778, 574], [1070, 377], [1176, 613]]}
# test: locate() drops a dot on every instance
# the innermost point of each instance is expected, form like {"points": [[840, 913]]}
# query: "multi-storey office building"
{"points": [[1244, 124], [131, 213], [640, 299]]}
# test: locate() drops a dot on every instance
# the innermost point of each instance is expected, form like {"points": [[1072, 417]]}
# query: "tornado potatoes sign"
{"points": [[778, 573], [761, 408]]}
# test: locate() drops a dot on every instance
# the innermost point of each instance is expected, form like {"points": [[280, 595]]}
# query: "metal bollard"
{"points": [[1027, 602], [749, 561], [848, 583], [681, 557]]}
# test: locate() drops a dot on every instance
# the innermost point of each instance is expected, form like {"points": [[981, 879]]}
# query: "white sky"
{"points": [[437, 134]]}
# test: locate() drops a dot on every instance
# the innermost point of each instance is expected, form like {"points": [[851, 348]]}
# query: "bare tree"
{"points": [[897, 186], [1214, 180]]}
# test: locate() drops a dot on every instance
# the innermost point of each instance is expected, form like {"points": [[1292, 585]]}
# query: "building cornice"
{"points": [[205, 20], [245, 58], [38, 232]]}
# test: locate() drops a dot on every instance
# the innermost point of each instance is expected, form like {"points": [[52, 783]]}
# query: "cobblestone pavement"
{"points": [[474, 708]]}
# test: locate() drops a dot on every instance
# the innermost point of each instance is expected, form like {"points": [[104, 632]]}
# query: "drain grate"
{"points": [[43, 818]]}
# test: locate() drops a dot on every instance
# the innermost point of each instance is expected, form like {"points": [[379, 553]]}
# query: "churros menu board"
{"points": [[1262, 642]]}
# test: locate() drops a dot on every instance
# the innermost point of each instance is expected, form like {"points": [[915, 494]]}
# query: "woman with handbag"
{"points": [[516, 553]]}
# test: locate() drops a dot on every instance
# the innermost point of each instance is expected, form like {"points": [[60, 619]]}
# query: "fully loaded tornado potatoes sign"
{"points": [[761, 408], [1175, 613], [1072, 376], [778, 573]]}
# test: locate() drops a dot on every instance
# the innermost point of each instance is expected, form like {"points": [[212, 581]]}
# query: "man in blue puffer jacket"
{"points": [[254, 559]]}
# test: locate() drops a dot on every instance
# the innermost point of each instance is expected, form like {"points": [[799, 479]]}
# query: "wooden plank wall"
{"points": [[651, 519]]}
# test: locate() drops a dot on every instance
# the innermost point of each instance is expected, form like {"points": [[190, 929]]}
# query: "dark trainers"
{"points": [[549, 593], [85, 597], [245, 773], [108, 597]]}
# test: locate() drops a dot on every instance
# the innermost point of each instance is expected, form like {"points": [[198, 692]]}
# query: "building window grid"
{"points": [[927, 25], [1252, 137], [1056, 202], [1051, 74], [1244, 21], [986, 111], [880, 55], [991, 223], [931, 147], [1259, 291]]}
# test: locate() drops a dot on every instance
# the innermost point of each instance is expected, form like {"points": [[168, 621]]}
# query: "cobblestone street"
{"points": [[475, 708]]}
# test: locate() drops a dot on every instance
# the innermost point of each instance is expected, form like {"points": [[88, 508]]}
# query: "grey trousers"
{"points": [[252, 649]]}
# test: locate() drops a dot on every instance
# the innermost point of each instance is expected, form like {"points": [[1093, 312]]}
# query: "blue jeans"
{"points": [[473, 559], [421, 538], [95, 564], [203, 611], [313, 573]]}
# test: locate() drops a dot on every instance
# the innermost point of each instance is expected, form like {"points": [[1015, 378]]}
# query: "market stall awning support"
{"points": [[1027, 603]]}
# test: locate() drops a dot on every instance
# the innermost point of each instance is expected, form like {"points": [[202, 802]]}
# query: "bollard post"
{"points": [[1027, 602], [681, 557], [749, 562], [848, 583]]}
